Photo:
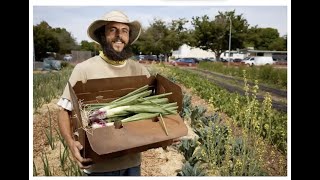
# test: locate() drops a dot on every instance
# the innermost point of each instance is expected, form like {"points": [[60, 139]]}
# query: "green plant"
{"points": [[186, 106], [188, 170], [241, 108], [265, 74], [48, 132], [219, 151], [35, 173], [47, 86], [46, 166], [187, 147], [74, 169], [196, 113], [63, 156], [61, 138]]}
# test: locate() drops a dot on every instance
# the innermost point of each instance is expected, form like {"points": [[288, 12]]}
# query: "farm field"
{"points": [[235, 127]]}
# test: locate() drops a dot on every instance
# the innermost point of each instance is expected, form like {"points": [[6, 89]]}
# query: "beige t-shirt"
{"points": [[96, 68]]}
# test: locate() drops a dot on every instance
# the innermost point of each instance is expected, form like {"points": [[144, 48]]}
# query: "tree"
{"points": [[66, 40], [44, 41], [162, 38], [266, 39], [285, 41], [151, 40], [90, 46], [178, 34], [214, 34], [279, 44], [48, 39]]}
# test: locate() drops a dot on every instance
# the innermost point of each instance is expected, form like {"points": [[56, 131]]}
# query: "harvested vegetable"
{"points": [[136, 105]]}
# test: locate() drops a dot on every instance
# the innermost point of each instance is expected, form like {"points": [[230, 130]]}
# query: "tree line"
{"points": [[207, 33]]}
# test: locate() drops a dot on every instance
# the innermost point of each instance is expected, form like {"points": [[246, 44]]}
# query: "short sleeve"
{"points": [[76, 75]]}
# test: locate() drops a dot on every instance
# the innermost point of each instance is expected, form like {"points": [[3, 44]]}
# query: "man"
{"points": [[115, 34]]}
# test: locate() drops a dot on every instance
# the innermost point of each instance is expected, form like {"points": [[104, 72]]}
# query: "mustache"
{"points": [[116, 39]]}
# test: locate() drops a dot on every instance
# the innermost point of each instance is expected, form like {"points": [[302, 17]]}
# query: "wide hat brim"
{"points": [[135, 29]]}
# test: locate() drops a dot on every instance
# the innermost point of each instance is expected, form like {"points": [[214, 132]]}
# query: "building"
{"points": [[243, 53], [276, 55], [187, 51], [233, 55]]}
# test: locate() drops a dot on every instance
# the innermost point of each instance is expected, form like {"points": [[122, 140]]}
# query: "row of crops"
{"points": [[225, 152], [264, 74], [245, 110]]}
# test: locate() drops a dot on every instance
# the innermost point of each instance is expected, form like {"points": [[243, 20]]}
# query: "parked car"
{"points": [[151, 57], [258, 60], [208, 59], [223, 60], [67, 57], [280, 62], [135, 57], [237, 60], [184, 62]]}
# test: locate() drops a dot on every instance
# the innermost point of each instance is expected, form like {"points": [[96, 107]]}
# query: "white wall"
{"points": [[234, 55], [187, 51]]}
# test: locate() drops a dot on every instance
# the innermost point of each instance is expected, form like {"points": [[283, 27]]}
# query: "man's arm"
{"points": [[74, 146], [65, 126]]}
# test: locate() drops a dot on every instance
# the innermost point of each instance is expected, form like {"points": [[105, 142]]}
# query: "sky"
{"points": [[76, 19]]}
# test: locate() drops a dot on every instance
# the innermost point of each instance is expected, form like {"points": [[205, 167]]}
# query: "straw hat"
{"points": [[115, 16]]}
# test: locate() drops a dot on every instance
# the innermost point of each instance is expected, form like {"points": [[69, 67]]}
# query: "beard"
{"points": [[114, 55]]}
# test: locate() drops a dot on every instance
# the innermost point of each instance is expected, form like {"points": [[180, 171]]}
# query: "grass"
{"points": [[49, 85], [49, 134], [265, 74]]}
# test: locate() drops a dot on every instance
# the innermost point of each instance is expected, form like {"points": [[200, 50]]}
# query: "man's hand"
{"points": [[75, 148]]}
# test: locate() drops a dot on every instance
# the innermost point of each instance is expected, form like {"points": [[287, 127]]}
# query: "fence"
{"points": [[37, 65], [80, 55]]}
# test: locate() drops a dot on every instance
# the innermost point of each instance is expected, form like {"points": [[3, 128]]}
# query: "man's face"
{"points": [[117, 35]]}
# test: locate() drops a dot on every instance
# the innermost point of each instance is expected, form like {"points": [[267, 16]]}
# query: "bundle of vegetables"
{"points": [[137, 105]]}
